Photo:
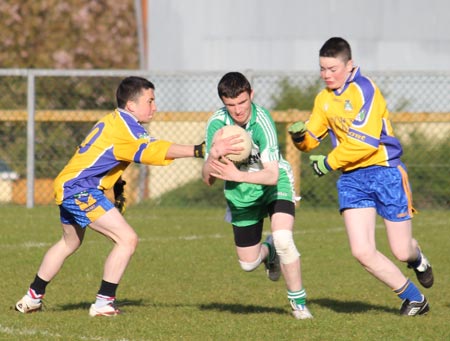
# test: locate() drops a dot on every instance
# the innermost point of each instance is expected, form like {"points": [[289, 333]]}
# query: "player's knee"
{"points": [[131, 243], [285, 246], [250, 266], [403, 255], [363, 256]]}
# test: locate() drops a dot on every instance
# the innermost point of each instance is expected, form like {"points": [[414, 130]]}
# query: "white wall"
{"points": [[205, 35]]}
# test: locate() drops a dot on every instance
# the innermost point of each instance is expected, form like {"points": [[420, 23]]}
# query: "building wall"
{"points": [[204, 35]]}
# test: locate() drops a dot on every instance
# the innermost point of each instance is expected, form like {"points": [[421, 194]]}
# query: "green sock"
{"points": [[299, 297], [271, 254]]}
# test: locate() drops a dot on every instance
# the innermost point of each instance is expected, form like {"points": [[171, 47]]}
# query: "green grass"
{"points": [[184, 282]]}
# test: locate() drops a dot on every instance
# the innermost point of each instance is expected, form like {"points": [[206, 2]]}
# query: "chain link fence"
{"points": [[45, 114]]}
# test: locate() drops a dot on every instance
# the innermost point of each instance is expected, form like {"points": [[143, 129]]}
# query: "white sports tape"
{"points": [[285, 246], [250, 266]]}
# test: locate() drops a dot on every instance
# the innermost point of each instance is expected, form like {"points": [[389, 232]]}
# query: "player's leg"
{"points": [[53, 260], [406, 249], [398, 220], [360, 226], [113, 225], [249, 249], [394, 204], [282, 214], [51, 264], [281, 226]]}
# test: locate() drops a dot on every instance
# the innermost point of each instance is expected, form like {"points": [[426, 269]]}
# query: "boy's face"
{"points": [[240, 108], [334, 71], [143, 107]]}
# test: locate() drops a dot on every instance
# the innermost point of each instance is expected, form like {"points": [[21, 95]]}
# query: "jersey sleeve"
{"points": [[317, 127], [265, 136], [132, 143]]}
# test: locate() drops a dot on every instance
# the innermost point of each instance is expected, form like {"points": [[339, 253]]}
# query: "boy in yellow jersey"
{"points": [[117, 140], [352, 111]]}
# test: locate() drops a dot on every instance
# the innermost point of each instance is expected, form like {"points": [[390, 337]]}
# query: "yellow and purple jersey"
{"points": [[357, 120], [113, 143]]}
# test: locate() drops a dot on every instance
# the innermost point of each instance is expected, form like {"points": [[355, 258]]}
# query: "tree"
{"points": [[294, 97], [68, 34]]}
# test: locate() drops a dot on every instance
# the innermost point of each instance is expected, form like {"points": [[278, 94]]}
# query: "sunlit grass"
{"points": [[184, 282]]}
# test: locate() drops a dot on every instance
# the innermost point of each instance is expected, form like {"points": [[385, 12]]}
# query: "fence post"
{"points": [[293, 156], [30, 138]]}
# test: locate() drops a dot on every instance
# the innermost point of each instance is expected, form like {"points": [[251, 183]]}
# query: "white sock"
{"points": [[102, 301]]}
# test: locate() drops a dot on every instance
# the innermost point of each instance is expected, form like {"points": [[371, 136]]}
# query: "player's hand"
{"points": [[224, 146], [297, 131], [225, 169], [199, 150], [119, 195], [318, 164]]}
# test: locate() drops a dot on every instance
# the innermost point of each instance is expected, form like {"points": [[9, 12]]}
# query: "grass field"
{"points": [[184, 282]]}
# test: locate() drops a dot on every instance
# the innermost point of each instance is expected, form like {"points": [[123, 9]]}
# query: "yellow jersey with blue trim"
{"points": [[114, 142], [357, 120]]}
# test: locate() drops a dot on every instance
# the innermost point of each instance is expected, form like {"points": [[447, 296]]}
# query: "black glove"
{"points": [[199, 150], [119, 195]]}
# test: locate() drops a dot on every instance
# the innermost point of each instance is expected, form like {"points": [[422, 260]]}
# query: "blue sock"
{"points": [[409, 292]]}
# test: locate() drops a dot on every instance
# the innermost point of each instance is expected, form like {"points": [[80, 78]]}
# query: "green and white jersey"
{"points": [[243, 196]]}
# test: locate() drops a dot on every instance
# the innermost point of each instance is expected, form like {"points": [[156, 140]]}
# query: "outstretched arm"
{"points": [[178, 151]]}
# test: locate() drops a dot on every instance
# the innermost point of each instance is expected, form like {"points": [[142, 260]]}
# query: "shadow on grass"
{"points": [[241, 308], [350, 306], [87, 305], [233, 308]]}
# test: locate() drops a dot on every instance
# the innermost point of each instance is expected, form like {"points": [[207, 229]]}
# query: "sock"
{"points": [[414, 264], [271, 254], [299, 297], [106, 294], [37, 288], [35, 298], [101, 301], [409, 292]]}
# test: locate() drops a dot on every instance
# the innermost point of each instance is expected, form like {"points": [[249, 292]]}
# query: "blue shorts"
{"points": [[84, 208], [385, 188]]}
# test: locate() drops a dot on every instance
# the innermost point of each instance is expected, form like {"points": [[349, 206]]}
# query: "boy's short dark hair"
{"points": [[233, 84], [130, 88], [336, 47]]}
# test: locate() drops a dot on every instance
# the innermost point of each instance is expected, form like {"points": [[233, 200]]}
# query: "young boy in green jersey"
{"points": [[259, 187]]}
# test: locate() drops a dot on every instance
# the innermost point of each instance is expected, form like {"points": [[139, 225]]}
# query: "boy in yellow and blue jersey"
{"points": [[352, 111], [115, 141]]}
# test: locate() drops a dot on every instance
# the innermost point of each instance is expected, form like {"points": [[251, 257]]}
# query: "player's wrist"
{"points": [[199, 150], [297, 131], [298, 137]]}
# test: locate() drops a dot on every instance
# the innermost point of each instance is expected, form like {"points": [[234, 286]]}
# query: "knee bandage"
{"points": [[250, 266], [284, 244]]}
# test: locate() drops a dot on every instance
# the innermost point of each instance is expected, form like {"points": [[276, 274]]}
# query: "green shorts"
{"points": [[247, 203]]}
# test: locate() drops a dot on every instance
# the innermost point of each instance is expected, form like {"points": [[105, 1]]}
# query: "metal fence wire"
{"points": [[45, 114]]}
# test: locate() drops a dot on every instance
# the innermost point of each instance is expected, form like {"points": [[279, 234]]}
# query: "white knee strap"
{"points": [[250, 266], [285, 246]]}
